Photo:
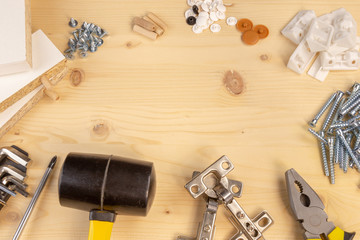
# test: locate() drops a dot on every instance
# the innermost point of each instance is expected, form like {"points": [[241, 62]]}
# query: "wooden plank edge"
{"points": [[32, 85], [25, 109]]}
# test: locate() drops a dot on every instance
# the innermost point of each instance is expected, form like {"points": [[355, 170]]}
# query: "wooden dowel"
{"points": [[51, 94], [45, 81], [157, 20], [158, 29], [144, 32], [144, 24]]}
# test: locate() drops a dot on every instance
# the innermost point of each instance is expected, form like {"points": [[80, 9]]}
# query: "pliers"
{"points": [[309, 210]]}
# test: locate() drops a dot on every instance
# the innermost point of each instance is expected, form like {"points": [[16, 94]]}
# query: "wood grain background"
{"points": [[165, 102]]}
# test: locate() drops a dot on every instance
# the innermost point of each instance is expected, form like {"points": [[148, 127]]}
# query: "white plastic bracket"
{"points": [[298, 26]]}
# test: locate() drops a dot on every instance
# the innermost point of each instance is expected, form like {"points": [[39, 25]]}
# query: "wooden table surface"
{"points": [[164, 101]]}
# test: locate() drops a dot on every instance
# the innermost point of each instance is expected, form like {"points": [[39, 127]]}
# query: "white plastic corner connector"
{"points": [[316, 71], [319, 36], [329, 17], [301, 58], [348, 60], [345, 28], [298, 26]]}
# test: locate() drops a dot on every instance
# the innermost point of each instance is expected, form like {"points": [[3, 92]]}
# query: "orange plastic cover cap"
{"points": [[244, 25]]}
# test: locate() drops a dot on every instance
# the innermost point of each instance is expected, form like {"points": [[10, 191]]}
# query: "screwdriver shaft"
{"points": [[35, 198]]}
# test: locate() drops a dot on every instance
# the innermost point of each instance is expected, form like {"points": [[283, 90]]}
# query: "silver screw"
{"points": [[337, 151], [85, 26], [353, 97], [324, 157], [93, 47], [348, 148], [351, 106], [331, 159], [322, 110], [99, 41], [331, 113], [318, 135], [75, 35], [342, 155], [346, 162], [72, 43], [73, 23], [103, 33]]}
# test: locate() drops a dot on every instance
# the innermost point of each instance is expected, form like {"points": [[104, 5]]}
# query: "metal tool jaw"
{"points": [[13, 166], [217, 189], [307, 207]]}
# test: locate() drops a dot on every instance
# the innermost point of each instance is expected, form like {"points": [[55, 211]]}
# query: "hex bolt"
{"points": [[318, 136], [348, 148], [73, 23], [324, 157], [331, 159], [331, 113], [322, 110]]}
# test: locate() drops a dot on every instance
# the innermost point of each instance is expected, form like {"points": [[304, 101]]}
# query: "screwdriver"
{"points": [[35, 198]]}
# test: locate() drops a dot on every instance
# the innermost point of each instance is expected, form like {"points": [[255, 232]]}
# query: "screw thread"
{"points": [[346, 162], [322, 110], [331, 160], [324, 158], [337, 150], [350, 100], [350, 106], [333, 109]]}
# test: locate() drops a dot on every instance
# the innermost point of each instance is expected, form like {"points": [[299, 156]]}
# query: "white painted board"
{"points": [[15, 50], [45, 56]]}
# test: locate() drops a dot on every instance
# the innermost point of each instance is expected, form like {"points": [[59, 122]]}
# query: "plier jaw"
{"points": [[308, 209]]}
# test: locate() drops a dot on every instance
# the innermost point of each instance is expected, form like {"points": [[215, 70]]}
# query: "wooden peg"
{"points": [[144, 24], [144, 32], [51, 94], [157, 20], [45, 81], [158, 29]]}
